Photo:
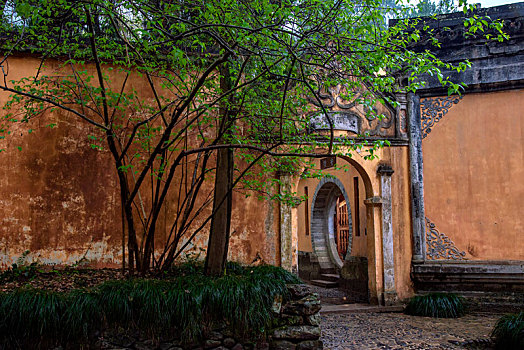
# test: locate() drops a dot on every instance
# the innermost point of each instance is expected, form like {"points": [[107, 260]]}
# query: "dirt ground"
{"points": [[56, 279]]}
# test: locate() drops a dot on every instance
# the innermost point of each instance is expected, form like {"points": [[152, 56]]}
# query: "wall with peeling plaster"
{"points": [[59, 198], [474, 172]]}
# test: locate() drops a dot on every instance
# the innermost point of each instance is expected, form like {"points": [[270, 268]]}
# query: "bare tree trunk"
{"points": [[132, 245], [218, 243], [123, 218], [217, 246]]}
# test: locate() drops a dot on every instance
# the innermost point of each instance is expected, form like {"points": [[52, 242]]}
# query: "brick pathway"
{"points": [[398, 331]]}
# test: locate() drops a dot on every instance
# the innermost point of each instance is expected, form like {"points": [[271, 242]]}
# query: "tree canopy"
{"points": [[242, 76]]}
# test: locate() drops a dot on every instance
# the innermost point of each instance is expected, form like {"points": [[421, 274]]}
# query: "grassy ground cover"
{"points": [[182, 302], [440, 305], [508, 332]]}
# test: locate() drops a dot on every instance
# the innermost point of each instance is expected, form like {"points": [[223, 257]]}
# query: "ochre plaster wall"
{"points": [[474, 175], [59, 198]]}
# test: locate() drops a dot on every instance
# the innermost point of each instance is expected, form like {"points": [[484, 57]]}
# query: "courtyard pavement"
{"points": [[349, 325], [398, 331]]}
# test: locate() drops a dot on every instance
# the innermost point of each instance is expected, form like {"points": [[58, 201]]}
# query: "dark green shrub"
{"points": [[181, 304], [440, 305], [508, 332]]}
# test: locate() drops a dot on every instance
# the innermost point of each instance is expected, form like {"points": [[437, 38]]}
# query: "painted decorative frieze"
{"points": [[339, 121]]}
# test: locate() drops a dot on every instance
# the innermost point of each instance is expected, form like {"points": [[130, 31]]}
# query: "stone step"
{"points": [[357, 308], [333, 277], [324, 257], [485, 300], [323, 254], [511, 297], [329, 271], [324, 283]]}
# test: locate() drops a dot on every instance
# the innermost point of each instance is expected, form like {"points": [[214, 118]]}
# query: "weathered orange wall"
{"points": [[59, 198], [474, 175]]}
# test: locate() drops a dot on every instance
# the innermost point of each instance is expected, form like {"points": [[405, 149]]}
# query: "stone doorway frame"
{"points": [[322, 223], [380, 255]]}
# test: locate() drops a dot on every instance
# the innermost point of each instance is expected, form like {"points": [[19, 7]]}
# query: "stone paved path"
{"points": [[332, 295], [398, 331]]}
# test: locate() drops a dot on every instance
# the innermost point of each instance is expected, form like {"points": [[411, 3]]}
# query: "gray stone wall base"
{"points": [[295, 326], [501, 276], [309, 267], [354, 278], [390, 298]]}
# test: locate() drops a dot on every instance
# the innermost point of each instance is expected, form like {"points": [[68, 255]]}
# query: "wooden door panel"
{"points": [[342, 227]]}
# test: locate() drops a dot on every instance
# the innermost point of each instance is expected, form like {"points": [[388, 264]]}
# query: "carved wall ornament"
{"points": [[331, 99], [457, 34], [402, 112], [339, 120], [440, 246], [514, 26], [383, 124], [433, 109]]}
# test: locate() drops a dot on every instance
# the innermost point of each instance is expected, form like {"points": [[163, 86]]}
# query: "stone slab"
{"points": [[357, 308]]}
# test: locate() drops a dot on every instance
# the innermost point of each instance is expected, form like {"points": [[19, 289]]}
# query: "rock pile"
{"points": [[298, 322]]}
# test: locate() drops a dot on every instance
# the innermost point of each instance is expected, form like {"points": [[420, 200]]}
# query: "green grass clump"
{"points": [[508, 332], [440, 305], [181, 304], [29, 312]]}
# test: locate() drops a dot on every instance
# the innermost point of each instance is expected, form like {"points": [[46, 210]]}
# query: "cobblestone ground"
{"points": [[332, 295], [398, 331]]}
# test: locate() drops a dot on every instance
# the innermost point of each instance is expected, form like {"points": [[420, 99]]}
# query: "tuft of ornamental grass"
{"points": [[508, 332], [439, 305], [27, 312], [184, 304]]}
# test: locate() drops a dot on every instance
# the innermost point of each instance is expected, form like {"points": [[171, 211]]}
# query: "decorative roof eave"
{"points": [[495, 65]]}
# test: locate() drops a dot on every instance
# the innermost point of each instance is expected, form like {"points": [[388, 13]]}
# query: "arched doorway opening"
{"points": [[331, 242]]}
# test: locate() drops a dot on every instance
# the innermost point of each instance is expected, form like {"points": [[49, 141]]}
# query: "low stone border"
{"points": [[299, 321], [296, 327]]}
